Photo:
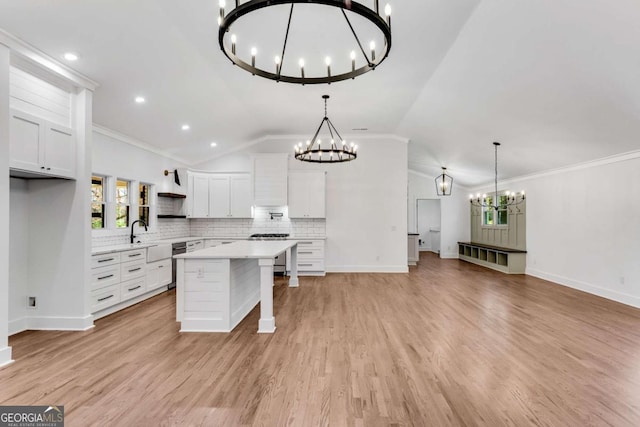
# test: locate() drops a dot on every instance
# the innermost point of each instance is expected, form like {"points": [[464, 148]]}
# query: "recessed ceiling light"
{"points": [[213, 144], [70, 56], [186, 127], [140, 99]]}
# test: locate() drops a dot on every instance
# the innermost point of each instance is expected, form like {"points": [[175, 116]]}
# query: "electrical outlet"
{"points": [[31, 302]]}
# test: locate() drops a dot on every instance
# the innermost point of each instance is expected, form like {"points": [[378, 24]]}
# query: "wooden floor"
{"points": [[450, 343]]}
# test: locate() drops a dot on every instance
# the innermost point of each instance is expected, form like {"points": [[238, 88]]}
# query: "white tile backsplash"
{"points": [[261, 223]]}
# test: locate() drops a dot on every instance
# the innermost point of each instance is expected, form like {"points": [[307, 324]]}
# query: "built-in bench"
{"points": [[512, 261]]}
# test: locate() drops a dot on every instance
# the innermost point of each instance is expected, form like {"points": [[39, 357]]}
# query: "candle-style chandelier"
{"points": [[361, 62], [331, 152], [510, 198]]}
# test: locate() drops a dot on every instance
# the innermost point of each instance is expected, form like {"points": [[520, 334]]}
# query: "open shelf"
{"points": [[172, 195], [502, 259]]}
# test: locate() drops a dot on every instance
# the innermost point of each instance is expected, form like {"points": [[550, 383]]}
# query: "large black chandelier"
{"points": [[331, 152], [510, 198], [361, 62]]}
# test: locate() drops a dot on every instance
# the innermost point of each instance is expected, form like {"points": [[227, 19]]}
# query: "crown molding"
{"points": [[34, 56], [616, 158], [135, 142]]}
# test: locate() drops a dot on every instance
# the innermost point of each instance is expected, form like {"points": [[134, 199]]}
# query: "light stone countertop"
{"points": [[242, 249]]}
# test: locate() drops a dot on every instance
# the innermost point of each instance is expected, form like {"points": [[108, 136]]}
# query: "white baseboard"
{"points": [[449, 255], [18, 325], [586, 287], [5, 356], [368, 269], [56, 323]]}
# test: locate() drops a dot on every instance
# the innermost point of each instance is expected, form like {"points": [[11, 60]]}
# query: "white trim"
{"points": [[5, 357], [620, 297], [450, 255], [137, 143], [623, 157], [18, 325], [46, 62], [55, 323], [367, 269]]}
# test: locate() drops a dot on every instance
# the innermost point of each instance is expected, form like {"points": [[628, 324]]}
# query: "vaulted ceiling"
{"points": [[556, 81]]}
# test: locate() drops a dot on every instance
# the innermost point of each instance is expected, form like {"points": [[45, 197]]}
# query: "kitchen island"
{"points": [[218, 286]]}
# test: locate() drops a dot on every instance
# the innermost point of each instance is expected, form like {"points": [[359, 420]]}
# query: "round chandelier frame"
{"points": [[372, 60]]}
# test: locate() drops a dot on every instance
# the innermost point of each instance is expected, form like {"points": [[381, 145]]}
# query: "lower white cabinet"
{"points": [[158, 274], [310, 258]]}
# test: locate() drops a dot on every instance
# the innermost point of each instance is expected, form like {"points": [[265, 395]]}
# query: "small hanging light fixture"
{"points": [[444, 183]]}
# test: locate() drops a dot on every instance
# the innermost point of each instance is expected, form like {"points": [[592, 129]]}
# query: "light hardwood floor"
{"points": [[450, 343]]}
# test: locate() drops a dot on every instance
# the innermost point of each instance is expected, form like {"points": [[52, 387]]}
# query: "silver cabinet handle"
{"points": [[304, 252], [132, 255], [137, 287], [105, 298], [305, 243], [305, 265], [135, 269], [161, 266], [105, 277], [105, 260]]}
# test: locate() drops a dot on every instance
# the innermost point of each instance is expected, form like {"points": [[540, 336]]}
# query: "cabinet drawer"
{"points": [[311, 265], [102, 277], [106, 297], [158, 274], [104, 260], [132, 288], [133, 269], [310, 244], [311, 252], [133, 255]]}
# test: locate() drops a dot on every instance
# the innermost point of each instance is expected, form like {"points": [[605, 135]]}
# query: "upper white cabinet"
{"points": [[40, 146], [307, 194], [270, 179], [213, 195]]}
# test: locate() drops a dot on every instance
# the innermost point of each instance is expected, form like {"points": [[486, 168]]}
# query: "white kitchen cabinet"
{"points": [[158, 274], [307, 194], [270, 179], [214, 195], [40, 146], [230, 196], [310, 258], [198, 197]]}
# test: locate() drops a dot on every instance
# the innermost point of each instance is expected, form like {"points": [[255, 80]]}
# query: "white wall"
{"points": [[455, 221], [5, 350], [583, 227], [366, 199], [18, 255]]}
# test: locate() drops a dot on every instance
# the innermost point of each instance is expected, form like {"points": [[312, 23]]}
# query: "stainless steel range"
{"points": [[280, 263]]}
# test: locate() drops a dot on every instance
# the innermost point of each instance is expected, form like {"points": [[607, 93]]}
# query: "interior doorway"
{"points": [[428, 224]]}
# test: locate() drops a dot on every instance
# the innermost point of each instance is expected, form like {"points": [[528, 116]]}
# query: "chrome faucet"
{"points": [[134, 223]]}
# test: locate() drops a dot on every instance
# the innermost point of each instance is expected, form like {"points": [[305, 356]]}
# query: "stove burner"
{"points": [[269, 236]]}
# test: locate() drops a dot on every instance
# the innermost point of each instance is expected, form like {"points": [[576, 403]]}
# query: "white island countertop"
{"points": [[242, 249]]}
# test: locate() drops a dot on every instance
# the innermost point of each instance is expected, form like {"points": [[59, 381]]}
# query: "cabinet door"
{"points": [[200, 197], [298, 196], [241, 196], [27, 142], [60, 151], [306, 195], [219, 190]]}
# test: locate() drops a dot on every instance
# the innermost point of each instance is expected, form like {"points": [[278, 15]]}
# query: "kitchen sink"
{"points": [[158, 252]]}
